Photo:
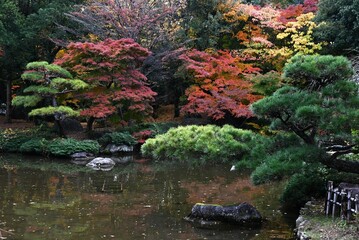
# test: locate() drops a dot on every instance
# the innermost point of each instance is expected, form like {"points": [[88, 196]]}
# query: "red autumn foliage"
{"points": [[219, 84], [142, 136], [112, 68], [292, 11]]}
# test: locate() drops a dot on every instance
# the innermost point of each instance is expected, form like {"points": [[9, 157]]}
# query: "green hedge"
{"points": [[37, 145], [42, 142], [65, 147], [199, 144], [118, 138], [11, 140]]}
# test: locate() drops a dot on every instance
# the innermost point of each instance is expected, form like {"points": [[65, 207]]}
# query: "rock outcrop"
{"points": [[243, 214], [103, 164]]}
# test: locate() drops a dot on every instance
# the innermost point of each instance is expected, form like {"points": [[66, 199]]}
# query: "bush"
{"points": [[13, 143], [285, 162], [156, 128], [118, 138], [275, 168], [301, 187], [136, 134], [37, 145], [11, 140], [264, 147], [65, 147], [199, 144]]}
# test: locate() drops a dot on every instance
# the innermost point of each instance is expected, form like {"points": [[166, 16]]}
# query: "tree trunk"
{"points": [[58, 117], [60, 128], [342, 165], [8, 101], [176, 108], [90, 122]]}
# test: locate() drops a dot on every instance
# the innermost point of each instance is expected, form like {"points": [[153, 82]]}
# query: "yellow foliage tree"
{"points": [[299, 36]]}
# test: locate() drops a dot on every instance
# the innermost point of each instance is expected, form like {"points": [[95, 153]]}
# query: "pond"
{"points": [[52, 199]]}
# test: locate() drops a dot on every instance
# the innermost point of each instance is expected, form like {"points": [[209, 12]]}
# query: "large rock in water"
{"points": [[81, 158], [243, 214], [104, 164], [113, 148]]}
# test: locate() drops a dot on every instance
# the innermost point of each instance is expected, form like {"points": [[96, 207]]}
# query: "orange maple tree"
{"points": [[218, 84]]}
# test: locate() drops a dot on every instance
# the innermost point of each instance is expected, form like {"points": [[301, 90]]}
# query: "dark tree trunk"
{"points": [[8, 101], [60, 128], [342, 165], [90, 122], [58, 117], [176, 108]]}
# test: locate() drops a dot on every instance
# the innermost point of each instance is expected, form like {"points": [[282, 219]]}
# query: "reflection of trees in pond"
{"points": [[153, 200], [220, 191]]}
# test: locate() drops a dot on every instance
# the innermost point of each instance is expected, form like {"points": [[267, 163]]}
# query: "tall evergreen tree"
{"points": [[27, 31]]}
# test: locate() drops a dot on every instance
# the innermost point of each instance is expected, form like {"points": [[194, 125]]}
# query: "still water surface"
{"points": [[44, 199]]}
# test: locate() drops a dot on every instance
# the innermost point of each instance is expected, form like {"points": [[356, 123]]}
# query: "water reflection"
{"points": [[136, 201]]}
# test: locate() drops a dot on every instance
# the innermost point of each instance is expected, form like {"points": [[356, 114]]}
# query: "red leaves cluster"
{"points": [[219, 84], [142, 136], [111, 67], [292, 11]]}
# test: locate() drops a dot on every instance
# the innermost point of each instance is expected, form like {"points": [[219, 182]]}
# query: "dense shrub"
{"points": [[275, 168], [132, 135], [12, 144], [11, 140], [118, 138], [37, 145], [264, 147], [285, 162], [65, 147], [301, 187], [155, 128], [199, 144]]}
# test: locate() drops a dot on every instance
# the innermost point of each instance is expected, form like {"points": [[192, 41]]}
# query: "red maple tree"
{"points": [[219, 84], [112, 69], [290, 13]]}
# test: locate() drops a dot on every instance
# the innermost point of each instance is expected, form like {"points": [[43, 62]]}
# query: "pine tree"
{"points": [[49, 83]]}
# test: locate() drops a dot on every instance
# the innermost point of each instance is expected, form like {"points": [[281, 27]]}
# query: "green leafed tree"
{"points": [[320, 108], [49, 82], [338, 24], [28, 30], [313, 128]]}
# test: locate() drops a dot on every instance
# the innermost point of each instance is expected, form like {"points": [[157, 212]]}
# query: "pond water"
{"points": [[44, 199]]}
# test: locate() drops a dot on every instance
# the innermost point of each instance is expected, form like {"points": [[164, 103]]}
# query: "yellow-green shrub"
{"points": [[199, 144]]}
